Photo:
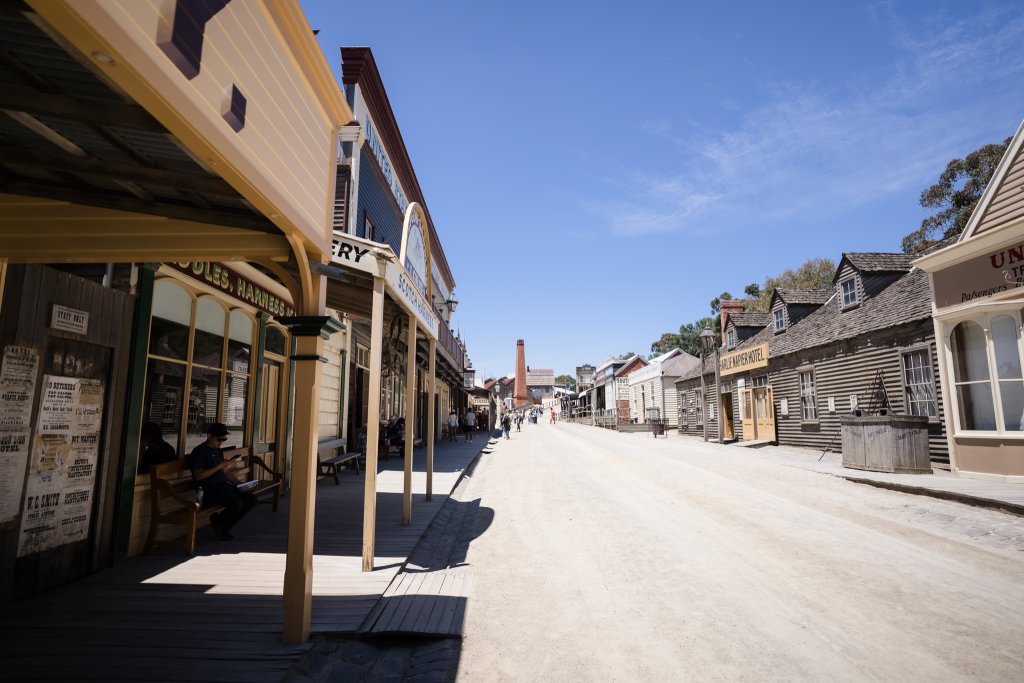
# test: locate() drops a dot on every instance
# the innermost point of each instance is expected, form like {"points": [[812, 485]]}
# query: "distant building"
{"points": [[540, 383]]}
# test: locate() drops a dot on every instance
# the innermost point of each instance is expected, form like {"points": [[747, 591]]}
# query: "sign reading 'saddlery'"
{"points": [[747, 359]]}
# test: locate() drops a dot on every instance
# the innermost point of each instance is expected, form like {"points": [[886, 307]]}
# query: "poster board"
{"points": [[17, 387], [62, 465]]}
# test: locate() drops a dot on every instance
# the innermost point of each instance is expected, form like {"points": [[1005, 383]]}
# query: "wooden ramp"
{"points": [[427, 603], [217, 616]]}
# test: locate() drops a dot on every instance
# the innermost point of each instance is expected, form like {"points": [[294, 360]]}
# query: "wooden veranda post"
{"points": [[373, 424], [431, 415], [410, 419]]}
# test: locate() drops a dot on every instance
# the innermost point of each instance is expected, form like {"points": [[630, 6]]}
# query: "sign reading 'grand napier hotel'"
{"points": [[980, 277], [747, 359]]}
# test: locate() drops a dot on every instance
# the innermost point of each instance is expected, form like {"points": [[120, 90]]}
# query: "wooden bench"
{"points": [[171, 487], [329, 464]]}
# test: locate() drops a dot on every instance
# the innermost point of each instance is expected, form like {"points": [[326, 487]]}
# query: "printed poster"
{"points": [[17, 386], [63, 460]]}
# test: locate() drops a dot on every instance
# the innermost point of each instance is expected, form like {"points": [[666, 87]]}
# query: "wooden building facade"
{"points": [[819, 354], [978, 311]]}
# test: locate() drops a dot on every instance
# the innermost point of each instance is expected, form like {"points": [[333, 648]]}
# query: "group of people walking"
{"points": [[471, 421], [477, 420]]}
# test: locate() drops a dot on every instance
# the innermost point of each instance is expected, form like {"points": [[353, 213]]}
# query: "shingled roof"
{"points": [[750, 319], [799, 297], [906, 300], [875, 262]]}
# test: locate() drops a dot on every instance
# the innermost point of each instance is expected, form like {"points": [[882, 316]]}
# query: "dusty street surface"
{"points": [[621, 557]]}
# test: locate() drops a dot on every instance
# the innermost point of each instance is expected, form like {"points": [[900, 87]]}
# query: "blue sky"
{"points": [[598, 171]]}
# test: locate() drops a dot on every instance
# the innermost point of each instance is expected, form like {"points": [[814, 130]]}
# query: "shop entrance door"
{"points": [[271, 409], [728, 421], [764, 412], [748, 415]]}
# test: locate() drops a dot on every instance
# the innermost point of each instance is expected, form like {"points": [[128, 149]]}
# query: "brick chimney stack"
{"points": [[519, 395], [729, 306]]}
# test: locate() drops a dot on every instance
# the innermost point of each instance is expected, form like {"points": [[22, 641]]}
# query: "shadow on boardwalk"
{"points": [[217, 616]]}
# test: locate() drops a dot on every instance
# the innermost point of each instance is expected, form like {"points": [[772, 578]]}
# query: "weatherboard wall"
{"points": [[378, 204], [846, 368]]}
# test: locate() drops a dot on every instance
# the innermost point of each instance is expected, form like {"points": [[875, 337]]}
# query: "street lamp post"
{"points": [[707, 342]]}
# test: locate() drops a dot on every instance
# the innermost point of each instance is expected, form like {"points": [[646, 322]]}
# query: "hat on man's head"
{"points": [[217, 429]]}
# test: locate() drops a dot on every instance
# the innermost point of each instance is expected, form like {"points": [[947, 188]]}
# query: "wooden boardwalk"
{"points": [[423, 603], [217, 616]]}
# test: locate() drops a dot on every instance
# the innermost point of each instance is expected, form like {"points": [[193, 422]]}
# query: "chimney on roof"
{"points": [[729, 306]]}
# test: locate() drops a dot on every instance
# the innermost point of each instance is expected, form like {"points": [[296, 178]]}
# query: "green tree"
{"points": [[954, 197], [567, 381], [689, 334], [666, 343], [811, 274], [716, 303]]}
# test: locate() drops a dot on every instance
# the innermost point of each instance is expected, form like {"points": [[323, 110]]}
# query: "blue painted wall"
{"points": [[376, 202]]}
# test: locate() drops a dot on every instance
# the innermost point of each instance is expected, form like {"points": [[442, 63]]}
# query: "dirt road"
{"points": [[621, 557]]}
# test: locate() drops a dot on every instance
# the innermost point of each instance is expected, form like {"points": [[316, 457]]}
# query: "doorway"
{"points": [[728, 419]]}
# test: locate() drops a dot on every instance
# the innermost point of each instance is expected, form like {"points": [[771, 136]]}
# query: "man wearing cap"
{"points": [[209, 470]]}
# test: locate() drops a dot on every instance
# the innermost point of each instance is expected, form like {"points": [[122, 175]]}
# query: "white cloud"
{"points": [[811, 152]]}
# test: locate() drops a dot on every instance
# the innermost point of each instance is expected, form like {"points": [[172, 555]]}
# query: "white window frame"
{"points": [[730, 338], [812, 405], [852, 281], [909, 352], [780, 319], [981, 315]]}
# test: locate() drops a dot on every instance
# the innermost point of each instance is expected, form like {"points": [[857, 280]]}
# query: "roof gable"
{"points": [[875, 262], [997, 189]]}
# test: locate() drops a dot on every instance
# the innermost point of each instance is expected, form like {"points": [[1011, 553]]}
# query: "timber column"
{"points": [[519, 395], [308, 335]]}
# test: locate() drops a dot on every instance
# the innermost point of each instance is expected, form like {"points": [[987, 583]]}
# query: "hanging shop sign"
{"points": [[402, 287], [17, 386], [236, 285], [69, 320], [980, 278], [415, 256], [741, 361], [62, 464], [355, 254]]}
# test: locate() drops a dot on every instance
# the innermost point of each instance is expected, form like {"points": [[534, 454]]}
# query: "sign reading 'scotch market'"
{"points": [[741, 361], [981, 277]]}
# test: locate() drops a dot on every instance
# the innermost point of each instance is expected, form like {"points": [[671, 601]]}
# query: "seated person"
{"points": [[209, 470], [154, 450]]}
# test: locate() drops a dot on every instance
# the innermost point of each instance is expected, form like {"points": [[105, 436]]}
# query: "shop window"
{"points": [[780, 320], [971, 377], [1006, 351], [848, 288], [700, 408], [199, 367], [918, 383], [275, 341], [172, 318], [808, 397]]}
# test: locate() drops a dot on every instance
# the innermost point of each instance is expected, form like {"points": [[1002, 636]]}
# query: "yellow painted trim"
{"points": [[298, 35], [70, 24]]}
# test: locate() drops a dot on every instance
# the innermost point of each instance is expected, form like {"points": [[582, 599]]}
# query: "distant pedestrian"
{"points": [[453, 424], [519, 422], [506, 425], [470, 424], [552, 416]]}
